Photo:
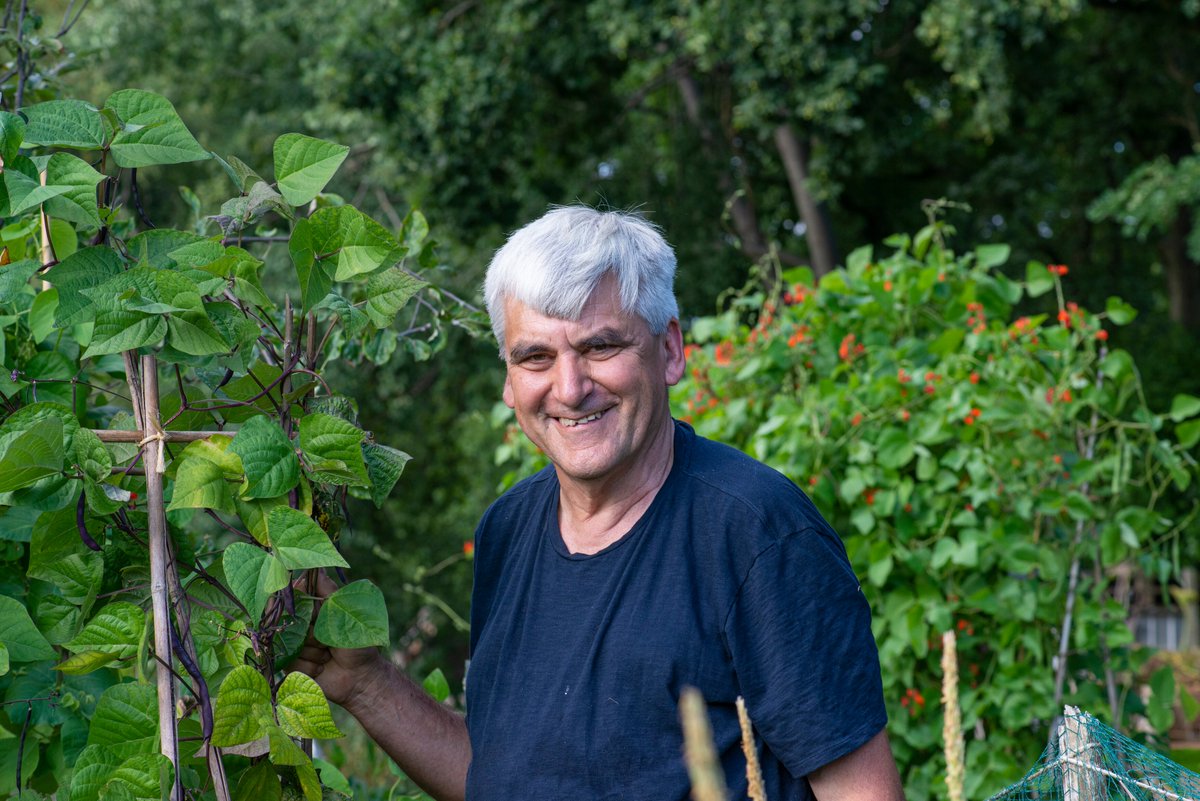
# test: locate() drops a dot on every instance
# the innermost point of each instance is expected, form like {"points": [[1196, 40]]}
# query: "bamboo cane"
{"points": [[159, 565]]}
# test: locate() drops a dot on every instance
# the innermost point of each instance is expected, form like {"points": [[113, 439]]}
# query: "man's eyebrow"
{"points": [[605, 336], [522, 351]]}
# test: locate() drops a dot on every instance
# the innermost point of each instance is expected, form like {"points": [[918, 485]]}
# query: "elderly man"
{"points": [[644, 559]]}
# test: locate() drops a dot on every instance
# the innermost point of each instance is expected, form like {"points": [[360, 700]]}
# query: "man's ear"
{"points": [[676, 363], [509, 400]]}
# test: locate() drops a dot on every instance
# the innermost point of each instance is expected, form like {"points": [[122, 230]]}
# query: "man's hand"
{"points": [[427, 740], [344, 674]]}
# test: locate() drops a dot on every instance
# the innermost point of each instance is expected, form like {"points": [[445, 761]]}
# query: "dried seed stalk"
{"points": [[754, 781], [704, 769], [952, 735]]}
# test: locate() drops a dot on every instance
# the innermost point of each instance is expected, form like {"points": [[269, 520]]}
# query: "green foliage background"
{"points": [[1068, 127]]}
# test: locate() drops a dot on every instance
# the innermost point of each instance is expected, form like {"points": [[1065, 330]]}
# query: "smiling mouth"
{"points": [[572, 423]]}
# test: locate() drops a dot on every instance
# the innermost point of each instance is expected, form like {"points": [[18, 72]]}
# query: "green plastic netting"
{"points": [[1088, 761]]}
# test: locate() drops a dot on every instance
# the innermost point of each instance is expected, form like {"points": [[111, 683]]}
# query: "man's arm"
{"points": [[426, 739], [867, 773]]}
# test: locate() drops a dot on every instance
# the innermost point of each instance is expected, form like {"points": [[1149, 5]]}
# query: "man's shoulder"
{"points": [[722, 477], [521, 498]]}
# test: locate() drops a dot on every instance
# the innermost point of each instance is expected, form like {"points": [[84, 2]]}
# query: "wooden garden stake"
{"points": [[152, 442]]}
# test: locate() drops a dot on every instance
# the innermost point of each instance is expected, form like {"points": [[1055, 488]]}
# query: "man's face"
{"points": [[591, 393]]}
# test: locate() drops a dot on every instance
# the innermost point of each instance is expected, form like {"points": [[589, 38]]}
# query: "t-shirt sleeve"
{"points": [[799, 633]]}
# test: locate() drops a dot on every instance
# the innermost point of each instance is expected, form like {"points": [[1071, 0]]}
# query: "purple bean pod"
{"points": [[206, 713], [81, 524]]}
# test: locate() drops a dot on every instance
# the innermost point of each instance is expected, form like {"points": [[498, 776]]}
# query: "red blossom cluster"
{"points": [[971, 417], [849, 348], [977, 322], [1064, 396], [798, 336], [913, 701], [796, 295], [1057, 269]]}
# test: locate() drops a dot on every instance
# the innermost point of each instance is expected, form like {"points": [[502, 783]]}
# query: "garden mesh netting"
{"points": [[1088, 761]]}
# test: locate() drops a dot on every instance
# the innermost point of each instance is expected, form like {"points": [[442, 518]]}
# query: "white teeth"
{"points": [[569, 423]]}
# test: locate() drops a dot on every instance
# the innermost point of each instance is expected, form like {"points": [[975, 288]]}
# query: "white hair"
{"points": [[554, 263]]}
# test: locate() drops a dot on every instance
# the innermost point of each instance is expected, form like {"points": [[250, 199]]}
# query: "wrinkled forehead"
{"points": [[601, 311]]}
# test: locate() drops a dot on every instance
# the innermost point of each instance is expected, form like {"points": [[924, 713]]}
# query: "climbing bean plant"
{"points": [[173, 465]]}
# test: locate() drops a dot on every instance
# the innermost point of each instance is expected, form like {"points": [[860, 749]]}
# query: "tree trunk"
{"points": [[741, 209], [1183, 274], [817, 232]]}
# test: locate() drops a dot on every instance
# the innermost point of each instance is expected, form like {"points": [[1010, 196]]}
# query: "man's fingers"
{"points": [[315, 654]]}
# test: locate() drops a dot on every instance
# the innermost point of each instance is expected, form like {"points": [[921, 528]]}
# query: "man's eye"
{"points": [[601, 349]]}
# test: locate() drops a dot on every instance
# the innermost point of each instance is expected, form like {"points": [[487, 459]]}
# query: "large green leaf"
{"points": [[93, 768], [351, 241], [116, 629], [145, 777], [1184, 406], [12, 133], [35, 453], [268, 457], [55, 538], [241, 269], [303, 165], [157, 247], [78, 578], [299, 542], [388, 292], [258, 783], [315, 277], [895, 449], [200, 484], [243, 708], [384, 466], [82, 270], [1038, 280], [78, 203], [203, 473], [64, 123], [333, 449], [117, 330], [354, 616], [17, 631], [193, 333], [21, 188], [253, 576], [90, 455], [126, 720], [303, 709], [14, 278], [152, 132], [86, 662]]}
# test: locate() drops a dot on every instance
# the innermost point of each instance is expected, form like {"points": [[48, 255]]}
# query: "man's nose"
{"points": [[572, 380]]}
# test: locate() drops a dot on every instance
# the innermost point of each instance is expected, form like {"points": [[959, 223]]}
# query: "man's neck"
{"points": [[594, 515]]}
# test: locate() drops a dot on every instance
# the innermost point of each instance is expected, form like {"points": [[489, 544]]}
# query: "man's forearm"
{"points": [[426, 739], [866, 774]]}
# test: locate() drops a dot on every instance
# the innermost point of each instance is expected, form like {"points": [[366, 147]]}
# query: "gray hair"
{"points": [[554, 263]]}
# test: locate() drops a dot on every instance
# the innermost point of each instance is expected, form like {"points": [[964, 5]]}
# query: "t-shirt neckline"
{"points": [[553, 534]]}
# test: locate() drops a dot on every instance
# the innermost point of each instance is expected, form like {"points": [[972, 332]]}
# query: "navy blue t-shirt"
{"points": [[731, 582]]}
